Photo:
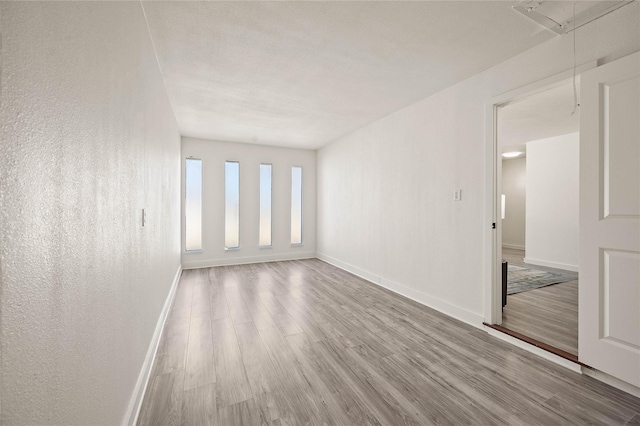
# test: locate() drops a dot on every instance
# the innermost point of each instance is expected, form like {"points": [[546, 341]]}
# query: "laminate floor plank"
{"points": [[178, 316], [350, 408], [525, 408], [257, 279], [260, 372], [163, 403], [303, 342], [340, 328], [312, 314], [279, 314], [367, 331], [184, 293], [199, 366], [245, 413], [351, 329], [199, 407], [218, 304], [237, 308], [634, 421], [214, 278], [430, 397], [172, 350], [594, 407], [432, 345], [305, 402], [379, 397], [302, 318], [200, 304], [232, 385], [260, 315]]}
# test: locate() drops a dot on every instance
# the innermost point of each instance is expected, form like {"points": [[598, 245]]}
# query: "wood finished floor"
{"points": [[302, 342], [548, 314]]}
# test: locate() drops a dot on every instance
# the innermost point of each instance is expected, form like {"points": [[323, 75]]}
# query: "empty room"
{"points": [[301, 213]]}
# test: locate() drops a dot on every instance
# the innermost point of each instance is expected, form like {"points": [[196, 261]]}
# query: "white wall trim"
{"points": [[563, 266], [247, 260], [611, 381], [133, 411], [439, 305], [512, 246], [575, 367]]}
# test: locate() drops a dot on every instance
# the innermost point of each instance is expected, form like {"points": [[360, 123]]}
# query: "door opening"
{"points": [[536, 122], [538, 141]]}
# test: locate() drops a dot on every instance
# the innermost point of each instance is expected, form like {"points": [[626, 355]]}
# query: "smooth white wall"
{"points": [[213, 155], [553, 174], [514, 188], [385, 192], [88, 140]]}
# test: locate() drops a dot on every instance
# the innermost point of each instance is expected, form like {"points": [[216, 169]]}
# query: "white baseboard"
{"points": [[439, 305], [535, 350], [513, 246], [563, 266], [611, 381], [133, 411], [247, 260]]}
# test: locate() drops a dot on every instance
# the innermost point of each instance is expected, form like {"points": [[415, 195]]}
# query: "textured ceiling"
{"points": [[543, 115], [302, 74]]}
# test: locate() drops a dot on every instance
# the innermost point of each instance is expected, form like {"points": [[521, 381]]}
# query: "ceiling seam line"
{"points": [[155, 54]]}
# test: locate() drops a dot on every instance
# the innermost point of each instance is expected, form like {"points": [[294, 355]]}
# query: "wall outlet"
{"points": [[457, 195]]}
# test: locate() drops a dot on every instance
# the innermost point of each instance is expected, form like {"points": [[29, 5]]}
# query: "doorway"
{"points": [[609, 209], [542, 93], [538, 142]]}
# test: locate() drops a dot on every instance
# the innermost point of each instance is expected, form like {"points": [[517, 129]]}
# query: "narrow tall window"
{"points": [[265, 205], [296, 205], [231, 205], [193, 204]]}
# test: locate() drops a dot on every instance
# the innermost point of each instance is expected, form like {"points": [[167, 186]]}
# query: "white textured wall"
{"points": [[1, 225], [213, 155], [88, 140], [553, 186], [385, 192], [514, 183]]}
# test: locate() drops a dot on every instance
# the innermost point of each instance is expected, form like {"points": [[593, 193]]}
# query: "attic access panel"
{"points": [[558, 15]]}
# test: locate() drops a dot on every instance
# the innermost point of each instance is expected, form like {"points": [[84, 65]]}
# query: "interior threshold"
{"points": [[559, 352]]}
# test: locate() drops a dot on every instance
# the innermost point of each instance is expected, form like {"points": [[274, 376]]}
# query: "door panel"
{"points": [[620, 298], [621, 150], [609, 285]]}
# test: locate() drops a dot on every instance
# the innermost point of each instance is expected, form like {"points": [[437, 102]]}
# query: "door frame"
{"points": [[493, 181]]}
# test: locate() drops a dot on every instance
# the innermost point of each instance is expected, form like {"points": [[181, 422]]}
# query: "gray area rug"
{"points": [[523, 279]]}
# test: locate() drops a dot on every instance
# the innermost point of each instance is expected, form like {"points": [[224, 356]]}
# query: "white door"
{"points": [[609, 285]]}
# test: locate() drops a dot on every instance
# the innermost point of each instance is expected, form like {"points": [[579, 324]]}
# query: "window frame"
{"points": [[186, 160], [301, 208], [270, 245], [225, 206]]}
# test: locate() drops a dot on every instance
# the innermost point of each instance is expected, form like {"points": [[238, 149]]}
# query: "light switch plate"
{"points": [[457, 195]]}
